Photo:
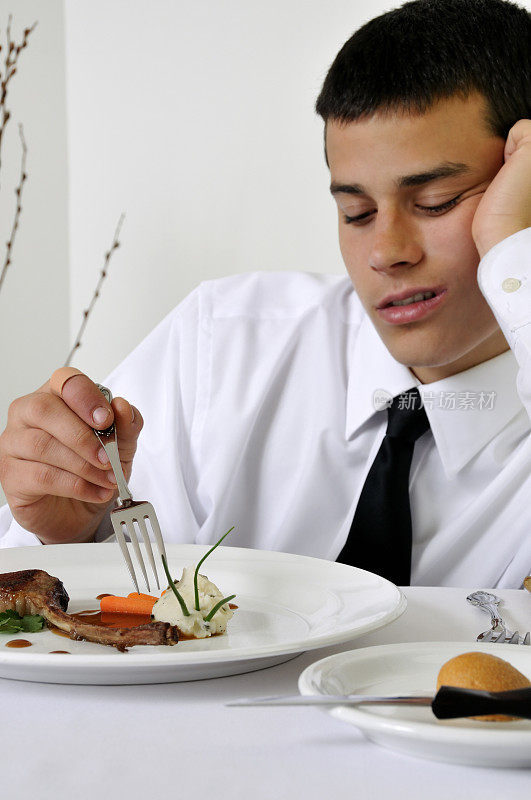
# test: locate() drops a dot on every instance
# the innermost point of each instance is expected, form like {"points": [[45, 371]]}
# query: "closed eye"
{"points": [[430, 210], [356, 220], [444, 207]]}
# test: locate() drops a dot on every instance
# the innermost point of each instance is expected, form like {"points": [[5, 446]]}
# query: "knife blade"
{"points": [[332, 700], [450, 702]]}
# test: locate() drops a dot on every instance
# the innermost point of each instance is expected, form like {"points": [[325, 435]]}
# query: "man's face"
{"points": [[407, 188]]}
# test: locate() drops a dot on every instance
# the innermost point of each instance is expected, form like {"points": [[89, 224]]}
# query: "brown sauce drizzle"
{"points": [[65, 652], [233, 606], [18, 643], [58, 632], [101, 596]]}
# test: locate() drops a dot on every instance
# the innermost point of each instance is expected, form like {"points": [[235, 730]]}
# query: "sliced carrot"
{"points": [[137, 596], [127, 605]]}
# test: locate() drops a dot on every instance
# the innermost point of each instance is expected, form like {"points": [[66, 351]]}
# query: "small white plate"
{"points": [[286, 604], [413, 669]]}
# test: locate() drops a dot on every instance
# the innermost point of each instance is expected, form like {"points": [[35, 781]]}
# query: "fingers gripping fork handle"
{"points": [[107, 439]]}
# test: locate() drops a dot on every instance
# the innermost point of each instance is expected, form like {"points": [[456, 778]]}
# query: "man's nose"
{"points": [[396, 243]]}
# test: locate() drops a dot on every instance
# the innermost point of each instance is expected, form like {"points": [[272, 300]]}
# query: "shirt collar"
{"points": [[373, 370], [465, 410], [470, 408]]}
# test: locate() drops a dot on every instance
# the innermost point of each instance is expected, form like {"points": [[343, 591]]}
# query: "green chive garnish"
{"points": [[218, 606], [174, 588], [196, 590]]}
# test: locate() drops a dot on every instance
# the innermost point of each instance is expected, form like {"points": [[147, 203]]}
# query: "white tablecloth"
{"points": [[180, 741]]}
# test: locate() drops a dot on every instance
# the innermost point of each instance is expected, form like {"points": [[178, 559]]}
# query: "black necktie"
{"points": [[380, 534]]}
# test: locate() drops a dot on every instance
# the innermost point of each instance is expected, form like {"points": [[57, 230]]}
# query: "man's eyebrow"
{"points": [[447, 169]]}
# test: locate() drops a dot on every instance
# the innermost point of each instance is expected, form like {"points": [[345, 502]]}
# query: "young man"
{"points": [[262, 394]]}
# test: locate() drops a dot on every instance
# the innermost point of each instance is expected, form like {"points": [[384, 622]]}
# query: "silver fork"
{"points": [[130, 511], [498, 631]]}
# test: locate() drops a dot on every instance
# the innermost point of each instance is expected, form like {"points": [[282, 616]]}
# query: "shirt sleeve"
{"points": [[14, 535], [504, 277], [11, 533]]}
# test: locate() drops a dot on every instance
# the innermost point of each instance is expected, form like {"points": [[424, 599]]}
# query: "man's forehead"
{"points": [[446, 117], [448, 140]]}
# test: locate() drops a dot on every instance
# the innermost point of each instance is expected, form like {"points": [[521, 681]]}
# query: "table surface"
{"points": [[61, 741]]}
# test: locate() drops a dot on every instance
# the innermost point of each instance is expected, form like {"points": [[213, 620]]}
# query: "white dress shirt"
{"points": [[258, 394]]}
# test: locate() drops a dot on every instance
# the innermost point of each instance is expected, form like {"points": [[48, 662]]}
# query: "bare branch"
{"points": [[103, 274], [18, 193], [10, 68]]}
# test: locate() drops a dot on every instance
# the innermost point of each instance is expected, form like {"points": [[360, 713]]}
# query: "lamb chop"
{"points": [[33, 591]]}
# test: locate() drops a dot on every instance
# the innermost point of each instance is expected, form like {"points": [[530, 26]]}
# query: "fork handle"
{"points": [[107, 439], [111, 448], [495, 619], [491, 606]]}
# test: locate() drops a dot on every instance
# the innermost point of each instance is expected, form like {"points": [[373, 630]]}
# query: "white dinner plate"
{"points": [[412, 669], [286, 604]]}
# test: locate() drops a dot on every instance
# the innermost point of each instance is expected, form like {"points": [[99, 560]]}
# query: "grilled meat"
{"points": [[33, 591]]}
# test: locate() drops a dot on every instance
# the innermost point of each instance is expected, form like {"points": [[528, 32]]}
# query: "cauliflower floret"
{"points": [[168, 608]]}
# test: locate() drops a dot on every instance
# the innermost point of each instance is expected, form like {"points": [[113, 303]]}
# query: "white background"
{"points": [[197, 121], [34, 300]]}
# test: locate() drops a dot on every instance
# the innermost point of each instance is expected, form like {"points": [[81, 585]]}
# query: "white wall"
{"points": [[196, 120], [34, 324]]}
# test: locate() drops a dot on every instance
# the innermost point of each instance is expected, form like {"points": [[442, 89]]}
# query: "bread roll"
{"points": [[482, 671]]}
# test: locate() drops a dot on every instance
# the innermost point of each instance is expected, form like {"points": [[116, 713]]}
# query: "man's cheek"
{"points": [[344, 246], [354, 257], [454, 232], [355, 271]]}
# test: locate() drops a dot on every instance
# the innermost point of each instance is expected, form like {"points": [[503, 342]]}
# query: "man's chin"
{"points": [[422, 361], [432, 365], [416, 352]]}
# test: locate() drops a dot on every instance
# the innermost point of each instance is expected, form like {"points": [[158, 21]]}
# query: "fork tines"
{"points": [[125, 516], [505, 637]]}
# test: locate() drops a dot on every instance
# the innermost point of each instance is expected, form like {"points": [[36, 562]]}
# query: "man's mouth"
{"points": [[409, 296], [411, 304], [413, 299]]}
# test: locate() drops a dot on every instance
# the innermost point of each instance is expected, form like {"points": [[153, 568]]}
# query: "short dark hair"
{"points": [[428, 50]]}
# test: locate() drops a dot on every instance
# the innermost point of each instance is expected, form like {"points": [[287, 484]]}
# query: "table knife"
{"points": [[449, 702]]}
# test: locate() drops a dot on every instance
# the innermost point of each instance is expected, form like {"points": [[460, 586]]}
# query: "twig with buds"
{"points": [[10, 67], [18, 192], [103, 274]]}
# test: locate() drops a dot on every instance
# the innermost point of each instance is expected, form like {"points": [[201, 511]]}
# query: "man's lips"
{"points": [[411, 292], [414, 311]]}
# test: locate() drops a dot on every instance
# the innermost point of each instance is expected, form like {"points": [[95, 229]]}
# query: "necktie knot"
{"points": [[407, 418]]}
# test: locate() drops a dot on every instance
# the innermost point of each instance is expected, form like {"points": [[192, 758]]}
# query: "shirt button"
{"points": [[511, 284]]}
